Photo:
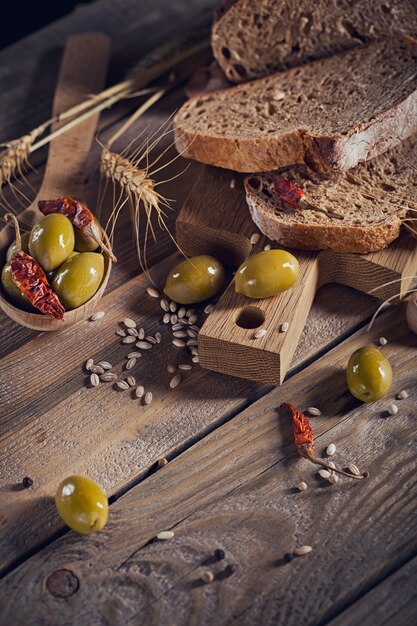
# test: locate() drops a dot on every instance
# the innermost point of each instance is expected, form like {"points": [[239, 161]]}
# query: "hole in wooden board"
{"points": [[250, 317]]}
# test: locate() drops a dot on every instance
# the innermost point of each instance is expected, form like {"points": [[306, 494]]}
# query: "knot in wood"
{"points": [[62, 583]]}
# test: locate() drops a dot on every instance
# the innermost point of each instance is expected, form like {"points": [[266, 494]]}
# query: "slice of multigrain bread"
{"points": [[254, 38], [373, 199], [331, 114]]}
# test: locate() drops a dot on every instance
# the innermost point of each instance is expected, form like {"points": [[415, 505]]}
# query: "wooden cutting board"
{"points": [[215, 220]]}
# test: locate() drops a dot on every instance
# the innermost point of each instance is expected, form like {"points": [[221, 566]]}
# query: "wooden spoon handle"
{"points": [[83, 71]]}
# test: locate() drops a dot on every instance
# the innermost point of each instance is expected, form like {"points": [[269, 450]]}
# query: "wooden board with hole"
{"points": [[215, 220]]}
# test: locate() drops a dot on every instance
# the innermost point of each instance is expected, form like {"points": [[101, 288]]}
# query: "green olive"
{"points": [[14, 294], [78, 278], [368, 374], [267, 273], [12, 248], [195, 279], [83, 243], [52, 241], [82, 504]]}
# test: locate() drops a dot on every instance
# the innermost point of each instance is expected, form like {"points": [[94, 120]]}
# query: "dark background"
{"points": [[23, 18]]}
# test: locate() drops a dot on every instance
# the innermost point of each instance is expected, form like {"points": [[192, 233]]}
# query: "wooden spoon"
{"points": [[83, 71]]}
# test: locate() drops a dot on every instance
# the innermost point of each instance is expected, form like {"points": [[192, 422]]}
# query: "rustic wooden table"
{"points": [[231, 478]]}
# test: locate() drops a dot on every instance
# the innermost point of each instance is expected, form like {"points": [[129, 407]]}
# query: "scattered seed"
{"points": [[94, 380], [195, 359], [164, 304], [192, 319], [313, 411], [194, 327], [162, 462], [260, 333], [284, 327], [131, 381], [165, 534], [89, 364], [207, 577], [154, 293], [150, 339], [141, 333], [403, 395], [268, 246], [134, 355], [174, 318], [108, 377], [171, 369], [179, 343], [302, 486], [97, 316], [27, 482], [209, 309], [354, 469], [193, 350], [174, 382], [148, 397], [393, 409], [129, 323], [185, 366], [132, 332], [105, 365], [189, 312], [219, 554], [301, 550], [167, 318], [129, 339], [139, 391], [180, 334], [182, 312], [255, 238], [96, 369], [288, 556], [331, 464], [324, 473], [121, 333], [122, 384], [192, 334], [143, 345], [383, 341], [331, 449], [192, 342], [131, 363], [158, 337], [333, 479], [233, 183], [173, 307], [178, 326]]}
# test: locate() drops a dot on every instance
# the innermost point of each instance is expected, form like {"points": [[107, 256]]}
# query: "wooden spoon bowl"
{"points": [[41, 322], [82, 71]]}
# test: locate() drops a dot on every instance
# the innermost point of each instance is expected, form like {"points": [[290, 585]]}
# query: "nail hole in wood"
{"points": [[250, 317]]}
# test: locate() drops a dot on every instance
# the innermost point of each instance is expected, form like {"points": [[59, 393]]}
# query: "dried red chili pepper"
{"points": [[79, 215], [290, 194], [28, 275], [304, 441]]}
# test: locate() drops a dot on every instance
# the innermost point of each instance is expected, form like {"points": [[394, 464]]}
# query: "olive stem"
{"points": [[17, 230]]}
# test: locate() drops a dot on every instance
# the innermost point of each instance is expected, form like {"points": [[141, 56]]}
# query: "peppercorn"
{"points": [[219, 554], [288, 556], [27, 482]]}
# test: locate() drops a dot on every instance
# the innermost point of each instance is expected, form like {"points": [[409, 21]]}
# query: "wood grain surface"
{"points": [[235, 490], [232, 471]]}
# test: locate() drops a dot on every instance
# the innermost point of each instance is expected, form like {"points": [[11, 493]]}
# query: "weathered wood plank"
{"points": [[392, 603], [43, 400], [235, 490]]}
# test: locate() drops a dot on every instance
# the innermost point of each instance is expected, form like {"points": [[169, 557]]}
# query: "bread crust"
{"points": [[323, 154]]}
